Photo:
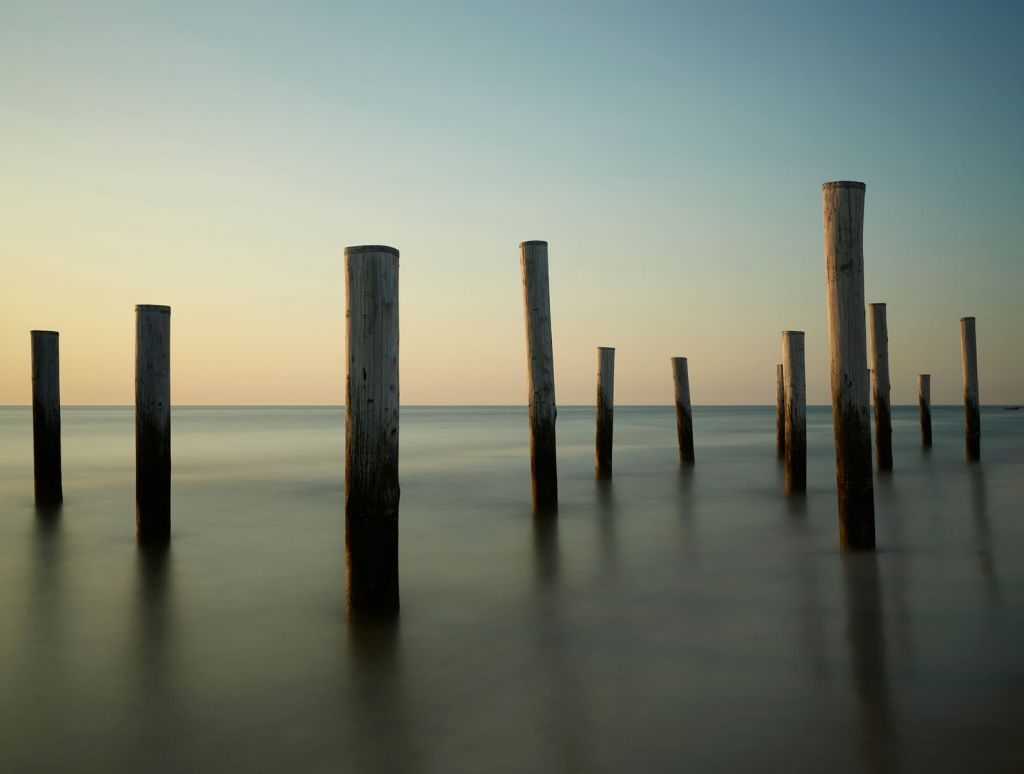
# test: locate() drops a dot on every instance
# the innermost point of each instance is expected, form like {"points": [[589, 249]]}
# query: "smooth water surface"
{"points": [[676, 620]]}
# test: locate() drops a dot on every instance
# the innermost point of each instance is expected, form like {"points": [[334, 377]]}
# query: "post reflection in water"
{"points": [[607, 515], [983, 535], [865, 631], [154, 713], [383, 729], [561, 712]]}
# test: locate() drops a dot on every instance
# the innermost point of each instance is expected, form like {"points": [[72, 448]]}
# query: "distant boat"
{"points": [[1011, 408]]}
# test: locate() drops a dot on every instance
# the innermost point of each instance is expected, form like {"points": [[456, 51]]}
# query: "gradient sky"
{"points": [[218, 157]]}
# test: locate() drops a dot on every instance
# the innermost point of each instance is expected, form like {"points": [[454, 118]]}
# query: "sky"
{"points": [[218, 157]]}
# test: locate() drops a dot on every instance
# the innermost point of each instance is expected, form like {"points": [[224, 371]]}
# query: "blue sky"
{"points": [[219, 156]]}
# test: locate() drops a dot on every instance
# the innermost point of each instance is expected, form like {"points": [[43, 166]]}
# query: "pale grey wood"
{"points": [[880, 386], [924, 402], [533, 263], [153, 422], [972, 410], [371, 430], [780, 412], [684, 412], [605, 411], [49, 489], [843, 215], [795, 410]]}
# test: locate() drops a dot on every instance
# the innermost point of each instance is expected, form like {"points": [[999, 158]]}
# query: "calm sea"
{"points": [[674, 621]]}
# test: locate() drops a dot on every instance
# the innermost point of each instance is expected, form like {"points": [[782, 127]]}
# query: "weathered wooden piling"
{"points": [[796, 411], [972, 412], [684, 413], [843, 214], [880, 386], [371, 431], [780, 412], [605, 411], [533, 261], [924, 402], [152, 422], [46, 417]]}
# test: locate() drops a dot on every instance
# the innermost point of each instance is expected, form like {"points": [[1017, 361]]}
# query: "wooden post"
{"points": [[152, 422], [843, 211], [605, 411], [46, 417], [972, 413], [371, 431], [684, 414], [780, 412], [924, 402], [796, 411], [880, 386], [533, 261]]}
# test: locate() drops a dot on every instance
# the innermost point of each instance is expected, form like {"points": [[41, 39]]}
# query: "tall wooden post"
{"points": [[924, 402], [533, 262], [972, 412], [152, 422], [371, 430], [684, 413], [843, 211], [46, 417], [880, 386], [796, 411], [605, 411], [780, 412]]}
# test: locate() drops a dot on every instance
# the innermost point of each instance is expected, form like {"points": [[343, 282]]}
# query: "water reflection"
{"points": [[983, 534], [545, 549], [607, 515], [383, 730], [879, 743]]}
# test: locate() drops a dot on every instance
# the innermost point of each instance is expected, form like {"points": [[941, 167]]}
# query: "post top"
{"points": [[965, 319], [531, 242], [153, 308], [356, 249], [925, 376], [792, 333], [844, 184], [606, 349], [678, 359]]}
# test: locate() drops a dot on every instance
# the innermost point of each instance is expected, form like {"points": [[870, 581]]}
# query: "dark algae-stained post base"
{"points": [[880, 386], [605, 411], [152, 422], [371, 431], [46, 418], [843, 214], [533, 262], [972, 412], [780, 412], [924, 402], [684, 413], [796, 411]]}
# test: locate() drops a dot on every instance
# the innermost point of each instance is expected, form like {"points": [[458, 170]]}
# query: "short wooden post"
{"points": [[796, 411], [152, 422], [880, 386], [533, 262], [605, 411], [684, 413], [843, 211], [972, 413], [780, 412], [924, 402], [371, 430], [46, 417]]}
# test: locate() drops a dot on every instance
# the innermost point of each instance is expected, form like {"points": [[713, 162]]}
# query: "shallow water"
{"points": [[674, 619]]}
